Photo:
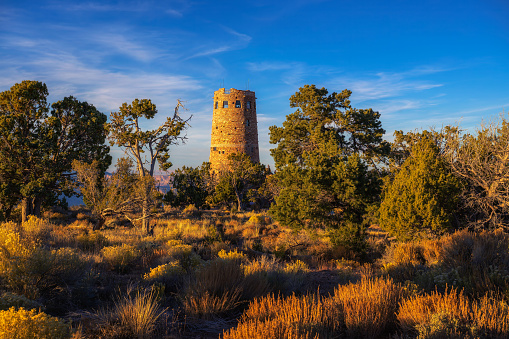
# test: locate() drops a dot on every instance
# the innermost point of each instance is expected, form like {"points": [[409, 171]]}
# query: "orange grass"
{"points": [[488, 316], [368, 306], [302, 317]]}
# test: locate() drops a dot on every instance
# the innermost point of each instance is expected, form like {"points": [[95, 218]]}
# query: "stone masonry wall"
{"points": [[234, 129]]}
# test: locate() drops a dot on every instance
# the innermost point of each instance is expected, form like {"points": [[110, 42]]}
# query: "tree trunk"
{"points": [[26, 209], [99, 223], [36, 207], [239, 201], [145, 221]]}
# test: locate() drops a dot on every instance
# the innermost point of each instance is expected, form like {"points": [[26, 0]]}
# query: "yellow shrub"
{"points": [[296, 267], [256, 220], [232, 255], [120, 257], [263, 264], [37, 269], [23, 324], [176, 247], [164, 271], [12, 244], [35, 228], [184, 254]]}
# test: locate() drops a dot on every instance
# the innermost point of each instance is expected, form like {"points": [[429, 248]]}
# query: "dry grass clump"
{"points": [[307, 316], [219, 287], [452, 314], [138, 313], [134, 315], [215, 289], [182, 229], [262, 264], [476, 262], [91, 241], [368, 306]]}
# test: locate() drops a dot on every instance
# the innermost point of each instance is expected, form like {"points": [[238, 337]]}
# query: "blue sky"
{"points": [[419, 63]]}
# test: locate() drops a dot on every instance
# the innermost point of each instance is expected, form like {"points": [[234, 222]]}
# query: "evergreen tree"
{"points": [[190, 186], [326, 161], [38, 146], [423, 195]]}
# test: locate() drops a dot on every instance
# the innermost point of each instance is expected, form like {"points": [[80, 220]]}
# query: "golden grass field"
{"points": [[217, 274]]}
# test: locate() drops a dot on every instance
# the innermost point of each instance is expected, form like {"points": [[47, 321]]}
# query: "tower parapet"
{"points": [[234, 126]]}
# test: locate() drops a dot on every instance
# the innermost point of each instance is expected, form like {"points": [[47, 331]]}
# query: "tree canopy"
{"points": [[191, 186], [38, 145], [326, 160]]}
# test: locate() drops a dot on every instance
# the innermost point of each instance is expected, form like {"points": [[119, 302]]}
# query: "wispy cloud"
{"points": [[122, 45], [174, 12], [383, 85], [96, 6], [211, 48], [268, 66], [104, 88]]}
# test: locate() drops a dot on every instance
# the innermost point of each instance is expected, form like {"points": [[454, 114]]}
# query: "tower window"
{"points": [[237, 104], [213, 148], [247, 122], [216, 105], [248, 104], [225, 104]]}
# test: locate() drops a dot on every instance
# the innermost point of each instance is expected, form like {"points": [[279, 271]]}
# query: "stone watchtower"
{"points": [[234, 126]]}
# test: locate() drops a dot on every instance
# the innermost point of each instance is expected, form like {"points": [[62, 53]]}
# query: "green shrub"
{"points": [[23, 324], [8, 300]]}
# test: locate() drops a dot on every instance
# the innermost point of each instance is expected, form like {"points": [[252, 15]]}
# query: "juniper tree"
{"points": [[326, 161]]}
